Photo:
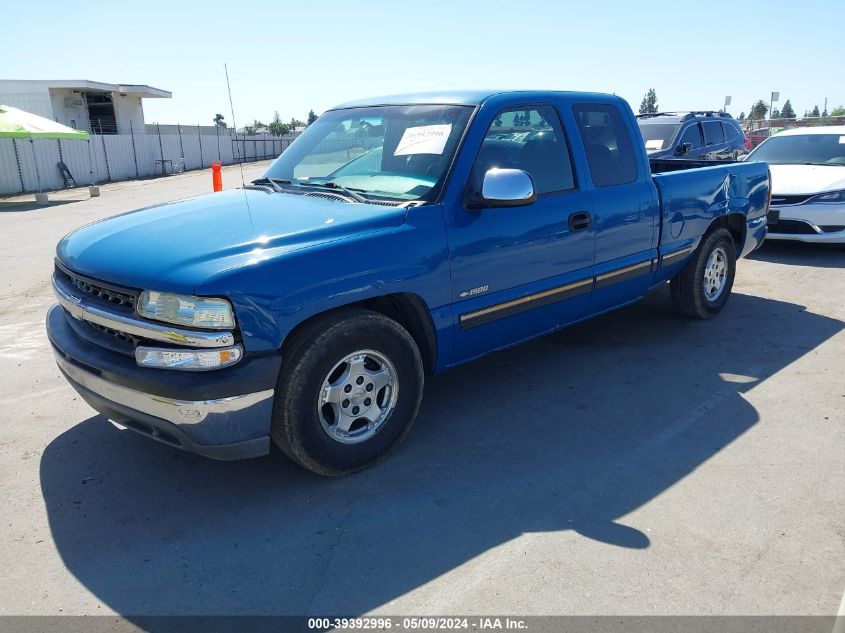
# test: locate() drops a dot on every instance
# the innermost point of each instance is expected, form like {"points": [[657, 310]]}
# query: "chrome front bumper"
{"points": [[230, 427]]}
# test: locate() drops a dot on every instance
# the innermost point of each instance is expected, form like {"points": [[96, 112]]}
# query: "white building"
{"points": [[85, 105]]}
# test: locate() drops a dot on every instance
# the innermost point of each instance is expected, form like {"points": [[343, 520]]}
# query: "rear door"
{"points": [[521, 271], [624, 204]]}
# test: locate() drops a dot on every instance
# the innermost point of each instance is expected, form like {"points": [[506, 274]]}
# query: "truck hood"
{"points": [[176, 246], [806, 179]]}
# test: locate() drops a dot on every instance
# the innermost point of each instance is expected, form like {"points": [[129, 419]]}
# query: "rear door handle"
{"points": [[580, 221]]}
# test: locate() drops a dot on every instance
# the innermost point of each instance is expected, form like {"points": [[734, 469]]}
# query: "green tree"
{"points": [[276, 127], [255, 128], [838, 111], [758, 111], [787, 112], [649, 102], [218, 120], [311, 117], [824, 112], [815, 111], [295, 123], [742, 116], [775, 113]]}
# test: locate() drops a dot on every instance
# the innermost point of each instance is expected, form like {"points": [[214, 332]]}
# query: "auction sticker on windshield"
{"points": [[425, 139], [654, 144]]}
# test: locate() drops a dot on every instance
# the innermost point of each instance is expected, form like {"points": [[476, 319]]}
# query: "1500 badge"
{"points": [[475, 291]]}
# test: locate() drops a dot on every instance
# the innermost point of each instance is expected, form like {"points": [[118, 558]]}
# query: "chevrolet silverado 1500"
{"points": [[395, 237]]}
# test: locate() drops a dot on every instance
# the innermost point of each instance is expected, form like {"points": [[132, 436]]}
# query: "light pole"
{"points": [[775, 98]]}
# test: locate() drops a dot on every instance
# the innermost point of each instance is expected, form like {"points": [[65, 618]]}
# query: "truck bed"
{"points": [[693, 193]]}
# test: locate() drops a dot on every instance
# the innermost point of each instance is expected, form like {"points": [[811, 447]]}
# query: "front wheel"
{"points": [[702, 287], [349, 391]]}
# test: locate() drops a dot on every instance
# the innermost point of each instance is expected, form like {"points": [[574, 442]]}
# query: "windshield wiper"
{"points": [[329, 184], [274, 182]]}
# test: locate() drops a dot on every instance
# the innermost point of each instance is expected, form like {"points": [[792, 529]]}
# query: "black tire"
{"points": [[310, 355], [687, 286]]}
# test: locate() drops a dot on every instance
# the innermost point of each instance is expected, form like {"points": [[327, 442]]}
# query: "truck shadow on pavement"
{"points": [[571, 432]]}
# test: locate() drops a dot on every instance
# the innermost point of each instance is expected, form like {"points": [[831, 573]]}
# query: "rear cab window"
{"points": [[607, 143]]}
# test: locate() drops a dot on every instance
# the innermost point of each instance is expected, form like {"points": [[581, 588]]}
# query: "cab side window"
{"points": [[607, 142], [692, 135], [531, 139]]}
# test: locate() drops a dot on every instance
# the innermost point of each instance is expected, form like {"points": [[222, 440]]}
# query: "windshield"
{"points": [[658, 135], [803, 149], [394, 152]]}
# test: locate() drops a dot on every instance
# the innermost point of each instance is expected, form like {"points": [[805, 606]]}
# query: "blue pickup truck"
{"points": [[396, 237]]}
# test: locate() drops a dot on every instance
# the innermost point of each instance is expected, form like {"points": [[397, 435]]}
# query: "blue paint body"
{"points": [[282, 259]]}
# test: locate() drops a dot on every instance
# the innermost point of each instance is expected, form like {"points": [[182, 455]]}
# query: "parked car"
{"points": [[808, 183], [759, 135], [705, 135], [307, 307]]}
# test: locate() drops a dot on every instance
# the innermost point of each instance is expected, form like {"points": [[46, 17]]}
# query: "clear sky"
{"points": [[292, 57]]}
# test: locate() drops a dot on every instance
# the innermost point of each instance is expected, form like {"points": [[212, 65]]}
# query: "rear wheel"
{"points": [[349, 391], [702, 287]]}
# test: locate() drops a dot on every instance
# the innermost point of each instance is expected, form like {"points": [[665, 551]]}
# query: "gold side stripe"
{"points": [[676, 254], [622, 271], [525, 299]]}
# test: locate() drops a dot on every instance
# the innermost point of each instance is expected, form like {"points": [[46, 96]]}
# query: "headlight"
{"points": [[831, 196], [185, 310], [187, 359]]}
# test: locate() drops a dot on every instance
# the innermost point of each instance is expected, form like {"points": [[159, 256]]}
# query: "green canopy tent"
{"points": [[15, 123]]}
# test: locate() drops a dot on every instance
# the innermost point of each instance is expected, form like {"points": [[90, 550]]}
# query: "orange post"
{"points": [[216, 175]]}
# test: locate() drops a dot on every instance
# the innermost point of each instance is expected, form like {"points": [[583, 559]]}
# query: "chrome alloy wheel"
{"points": [[357, 396], [715, 274]]}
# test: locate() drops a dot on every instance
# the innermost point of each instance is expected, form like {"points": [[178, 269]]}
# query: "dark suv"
{"points": [[703, 135]]}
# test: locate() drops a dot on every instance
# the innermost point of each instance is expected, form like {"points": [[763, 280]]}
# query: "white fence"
{"points": [[123, 156]]}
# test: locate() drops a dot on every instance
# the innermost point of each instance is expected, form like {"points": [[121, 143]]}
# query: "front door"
{"points": [[518, 272]]}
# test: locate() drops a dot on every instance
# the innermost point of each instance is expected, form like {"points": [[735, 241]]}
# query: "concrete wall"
{"points": [[126, 109], [66, 112], [24, 95], [169, 128]]}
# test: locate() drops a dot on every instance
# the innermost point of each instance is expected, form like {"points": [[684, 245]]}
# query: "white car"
{"points": [[808, 184]]}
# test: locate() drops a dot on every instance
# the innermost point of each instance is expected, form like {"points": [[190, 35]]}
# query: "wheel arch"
{"points": [[407, 309], [735, 224]]}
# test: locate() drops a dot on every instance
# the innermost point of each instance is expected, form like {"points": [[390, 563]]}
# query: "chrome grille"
{"points": [[104, 292], [785, 200]]}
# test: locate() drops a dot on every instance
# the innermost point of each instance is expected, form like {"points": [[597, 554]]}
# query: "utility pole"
{"points": [[775, 98]]}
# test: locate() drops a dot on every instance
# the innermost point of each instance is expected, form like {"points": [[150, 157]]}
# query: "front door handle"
{"points": [[580, 221]]}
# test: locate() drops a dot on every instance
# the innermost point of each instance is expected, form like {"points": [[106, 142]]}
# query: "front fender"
{"points": [[272, 296]]}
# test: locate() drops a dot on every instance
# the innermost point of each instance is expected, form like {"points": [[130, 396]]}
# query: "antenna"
{"points": [[232, 108]]}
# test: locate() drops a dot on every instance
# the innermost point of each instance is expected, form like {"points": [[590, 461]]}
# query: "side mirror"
{"points": [[507, 188], [683, 148]]}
